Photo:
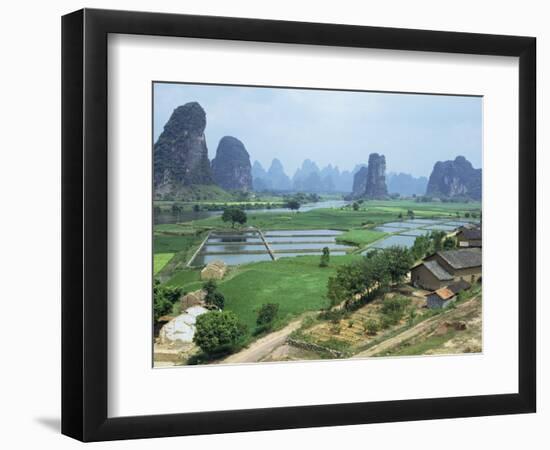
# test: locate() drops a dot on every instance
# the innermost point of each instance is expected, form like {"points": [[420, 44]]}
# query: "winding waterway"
{"points": [[168, 217]]}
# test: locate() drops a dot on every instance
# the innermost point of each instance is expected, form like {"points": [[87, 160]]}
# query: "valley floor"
{"points": [[299, 286]]}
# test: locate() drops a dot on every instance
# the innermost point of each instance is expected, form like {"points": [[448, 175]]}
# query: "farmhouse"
{"points": [[469, 237], [444, 267], [443, 297]]}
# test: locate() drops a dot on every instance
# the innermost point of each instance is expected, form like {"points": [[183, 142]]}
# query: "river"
{"points": [[166, 217]]}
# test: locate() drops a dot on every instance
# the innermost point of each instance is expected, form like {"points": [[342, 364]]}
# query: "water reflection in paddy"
{"points": [[233, 248], [401, 225], [302, 233], [399, 240], [423, 221], [275, 239], [236, 239], [296, 254], [415, 233], [231, 259], [386, 229], [308, 246], [441, 227]]}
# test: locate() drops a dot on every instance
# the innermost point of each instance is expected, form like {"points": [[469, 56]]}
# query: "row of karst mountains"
{"points": [[181, 162]]}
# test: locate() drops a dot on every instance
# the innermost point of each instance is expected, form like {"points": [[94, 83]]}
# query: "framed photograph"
{"points": [[273, 224]]}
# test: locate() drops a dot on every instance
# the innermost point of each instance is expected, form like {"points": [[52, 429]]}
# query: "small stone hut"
{"points": [[214, 271]]}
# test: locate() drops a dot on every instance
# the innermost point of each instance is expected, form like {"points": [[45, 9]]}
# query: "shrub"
{"points": [[218, 332], [267, 314], [325, 257], [395, 304], [213, 296], [371, 326]]}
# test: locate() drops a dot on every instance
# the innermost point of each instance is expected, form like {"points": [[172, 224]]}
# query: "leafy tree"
{"points": [[196, 208], [400, 215], [410, 213], [234, 215], [218, 332], [355, 206], [437, 240], [347, 282], [325, 257], [293, 204], [449, 243], [398, 262], [267, 314], [467, 215], [421, 247]]}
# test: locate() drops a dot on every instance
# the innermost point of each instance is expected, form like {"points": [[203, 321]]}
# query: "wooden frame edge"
{"points": [[84, 225]]}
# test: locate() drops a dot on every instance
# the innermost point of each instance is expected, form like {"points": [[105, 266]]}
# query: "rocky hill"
{"points": [[376, 177], [231, 167], [180, 154], [360, 182], [455, 179], [277, 176]]}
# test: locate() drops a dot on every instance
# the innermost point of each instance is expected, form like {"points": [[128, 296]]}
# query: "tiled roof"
{"points": [[444, 293], [474, 234], [439, 272], [461, 259], [459, 286]]}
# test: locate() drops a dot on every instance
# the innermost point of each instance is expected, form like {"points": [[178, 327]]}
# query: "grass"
{"points": [[173, 244], [421, 347], [175, 228], [297, 284], [160, 260], [360, 237], [181, 247]]}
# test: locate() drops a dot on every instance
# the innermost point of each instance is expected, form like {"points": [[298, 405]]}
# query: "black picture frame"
{"points": [[84, 224]]}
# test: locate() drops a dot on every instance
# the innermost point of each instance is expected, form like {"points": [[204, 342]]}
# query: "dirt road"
{"points": [[422, 327], [263, 346]]}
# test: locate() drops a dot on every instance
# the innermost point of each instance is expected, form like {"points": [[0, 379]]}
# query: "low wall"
{"points": [[314, 347]]}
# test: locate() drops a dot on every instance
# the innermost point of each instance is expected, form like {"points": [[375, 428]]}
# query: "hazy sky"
{"points": [[342, 128]]}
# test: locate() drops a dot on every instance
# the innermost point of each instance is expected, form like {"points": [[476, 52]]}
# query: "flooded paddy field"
{"points": [[235, 248]]}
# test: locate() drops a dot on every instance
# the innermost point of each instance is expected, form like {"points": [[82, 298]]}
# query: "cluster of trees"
{"points": [[164, 298], [431, 243], [295, 201], [410, 214], [376, 271]]}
